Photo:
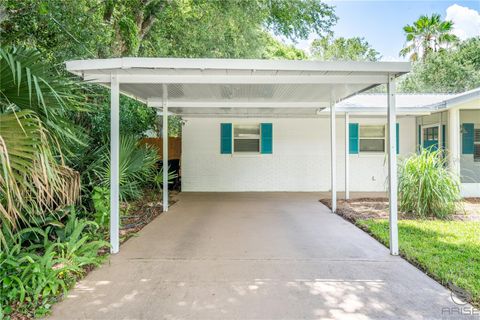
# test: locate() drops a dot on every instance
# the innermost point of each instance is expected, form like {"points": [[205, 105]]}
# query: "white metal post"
{"points": [[392, 165], [347, 157], [114, 163], [333, 164], [165, 148], [454, 140]]}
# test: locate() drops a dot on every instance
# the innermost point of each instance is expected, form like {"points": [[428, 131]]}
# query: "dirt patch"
{"points": [[377, 208]]}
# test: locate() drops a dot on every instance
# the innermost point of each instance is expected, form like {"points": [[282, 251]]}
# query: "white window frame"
{"points": [[259, 139], [440, 137], [360, 125]]}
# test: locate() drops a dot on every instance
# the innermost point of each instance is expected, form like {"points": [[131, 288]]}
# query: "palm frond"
{"points": [[137, 163], [26, 83], [32, 183]]}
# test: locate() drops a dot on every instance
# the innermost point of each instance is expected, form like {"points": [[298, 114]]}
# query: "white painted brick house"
{"points": [[299, 157]]}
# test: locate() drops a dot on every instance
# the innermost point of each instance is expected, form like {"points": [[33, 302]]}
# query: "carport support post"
{"points": [[347, 158], [392, 165], [165, 148], [114, 163], [333, 167]]}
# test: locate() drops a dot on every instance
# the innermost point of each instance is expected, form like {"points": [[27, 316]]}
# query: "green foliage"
{"points": [[427, 35], [128, 31], [36, 274], [101, 204], [159, 28], [274, 49], [426, 186], [174, 126], [454, 70], [347, 49], [61, 30], [137, 163], [27, 83], [158, 178], [449, 251], [35, 131], [135, 119]]}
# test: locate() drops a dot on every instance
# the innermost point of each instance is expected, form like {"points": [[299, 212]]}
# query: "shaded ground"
{"points": [[254, 256]]}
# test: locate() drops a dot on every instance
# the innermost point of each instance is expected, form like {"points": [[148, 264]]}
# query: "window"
{"points": [[372, 138], [246, 138], [476, 144], [430, 134]]}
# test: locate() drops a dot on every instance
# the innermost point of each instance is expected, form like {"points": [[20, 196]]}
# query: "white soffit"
{"points": [[238, 86]]}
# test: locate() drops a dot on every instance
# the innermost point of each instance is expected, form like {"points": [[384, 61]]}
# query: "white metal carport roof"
{"points": [[216, 87], [236, 87]]}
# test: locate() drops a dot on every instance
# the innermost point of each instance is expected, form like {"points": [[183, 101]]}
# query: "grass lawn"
{"points": [[448, 251]]}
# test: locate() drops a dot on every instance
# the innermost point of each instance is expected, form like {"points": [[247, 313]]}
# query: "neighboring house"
{"points": [[293, 154]]}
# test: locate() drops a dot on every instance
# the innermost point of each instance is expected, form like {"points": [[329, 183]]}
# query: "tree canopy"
{"points": [[350, 49], [452, 70], [174, 28]]}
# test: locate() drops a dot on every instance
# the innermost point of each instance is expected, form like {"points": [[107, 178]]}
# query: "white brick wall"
{"points": [[300, 159]]}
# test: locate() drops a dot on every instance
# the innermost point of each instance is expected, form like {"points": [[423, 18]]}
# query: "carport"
{"points": [[242, 88]]}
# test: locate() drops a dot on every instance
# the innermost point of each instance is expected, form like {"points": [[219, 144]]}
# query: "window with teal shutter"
{"points": [[353, 138], [266, 145], [225, 138], [467, 138]]}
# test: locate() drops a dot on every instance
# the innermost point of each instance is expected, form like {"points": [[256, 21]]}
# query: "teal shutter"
{"points": [[444, 138], [398, 137], [266, 133], [467, 138], [225, 138], [353, 138]]}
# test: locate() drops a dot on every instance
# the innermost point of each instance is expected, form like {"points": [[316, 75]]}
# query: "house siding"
{"points": [[300, 160]]}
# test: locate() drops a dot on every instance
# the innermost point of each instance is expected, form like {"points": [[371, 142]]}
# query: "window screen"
{"points": [[372, 138], [246, 138]]}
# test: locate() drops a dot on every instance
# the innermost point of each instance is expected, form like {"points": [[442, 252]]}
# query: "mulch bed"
{"points": [[377, 208], [140, 213], [363, 209]]}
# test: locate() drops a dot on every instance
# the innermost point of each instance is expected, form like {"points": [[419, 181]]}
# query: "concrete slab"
{"points": [[254, 256]]}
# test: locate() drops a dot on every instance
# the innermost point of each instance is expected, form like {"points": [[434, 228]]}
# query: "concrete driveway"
{"points": [[254, 256]]}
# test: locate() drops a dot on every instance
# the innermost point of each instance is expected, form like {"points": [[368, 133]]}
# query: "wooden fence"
{"points": [[174, 146]]}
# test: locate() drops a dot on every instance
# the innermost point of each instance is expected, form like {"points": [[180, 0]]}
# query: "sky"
{"points": [[381, 22]]}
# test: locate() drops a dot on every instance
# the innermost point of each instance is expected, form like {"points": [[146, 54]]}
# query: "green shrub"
{"points": [[38, 266], [426, 186], [137, 164], [101, 204]]}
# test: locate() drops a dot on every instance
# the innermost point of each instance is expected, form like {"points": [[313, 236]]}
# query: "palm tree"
{"points": [[34, 181], [426, 35]]}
